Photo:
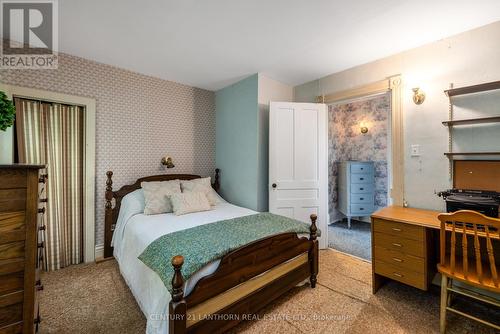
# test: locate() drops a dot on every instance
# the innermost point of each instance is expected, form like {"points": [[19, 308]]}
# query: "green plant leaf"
{"points": [[7, 112]]}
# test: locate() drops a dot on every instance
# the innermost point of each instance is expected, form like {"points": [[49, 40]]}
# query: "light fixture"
{"points": [[167, 162], [418, 95], [363, 128]]}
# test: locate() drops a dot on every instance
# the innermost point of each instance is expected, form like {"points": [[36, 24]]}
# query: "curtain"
{"points": [[53, 134]]}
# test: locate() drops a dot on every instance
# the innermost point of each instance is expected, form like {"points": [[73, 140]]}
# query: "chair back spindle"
{"points": [[491, 255], [477, 250], [453, 241], [465, 259]]}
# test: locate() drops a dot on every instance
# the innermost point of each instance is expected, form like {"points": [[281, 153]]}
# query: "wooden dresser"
{"points": [[19, 247], [403, 246]]}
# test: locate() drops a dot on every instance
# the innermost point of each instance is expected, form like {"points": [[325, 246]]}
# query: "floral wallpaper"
{"points": [[346, 142]]}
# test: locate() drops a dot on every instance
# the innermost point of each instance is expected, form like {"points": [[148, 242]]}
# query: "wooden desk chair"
{"points": [[480, 273]]}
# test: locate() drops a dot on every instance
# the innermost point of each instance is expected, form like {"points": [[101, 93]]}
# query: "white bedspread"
{"points": [[135, 231]]}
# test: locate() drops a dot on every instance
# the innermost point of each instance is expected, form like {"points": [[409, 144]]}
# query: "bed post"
{"points": [[108, 216], [313, 251], [216, 184], [177, 308]]}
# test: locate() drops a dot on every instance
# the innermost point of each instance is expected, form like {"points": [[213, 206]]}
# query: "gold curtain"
{"points": [[53, 134]]}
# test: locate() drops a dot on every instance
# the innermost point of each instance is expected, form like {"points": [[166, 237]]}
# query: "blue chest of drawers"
{"points": [[356, 189]]}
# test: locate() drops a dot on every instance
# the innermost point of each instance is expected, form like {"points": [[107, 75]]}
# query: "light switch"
{"points": [[415, 150]]}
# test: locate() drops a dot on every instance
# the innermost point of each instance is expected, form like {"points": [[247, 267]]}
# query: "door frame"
{"points": [[392, 85], [89, 250]]}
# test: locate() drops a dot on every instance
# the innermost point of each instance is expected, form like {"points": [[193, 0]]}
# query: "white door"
{"points": [[298, 174]]}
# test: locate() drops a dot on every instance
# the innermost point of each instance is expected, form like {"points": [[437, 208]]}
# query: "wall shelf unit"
{"points": [[451, 154], [450, 123], [484, 120], [484, 87]]}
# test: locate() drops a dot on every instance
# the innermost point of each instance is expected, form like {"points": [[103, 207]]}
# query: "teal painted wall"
{"points": [[237, 141]]}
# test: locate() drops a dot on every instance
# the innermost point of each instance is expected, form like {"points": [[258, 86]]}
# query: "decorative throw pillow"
{"points": [[203, 185], [189, 202], [156, 196]]}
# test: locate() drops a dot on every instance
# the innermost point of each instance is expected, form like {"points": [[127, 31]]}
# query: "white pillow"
{"points": [[203, 185], [188, 202], [156, 196]]}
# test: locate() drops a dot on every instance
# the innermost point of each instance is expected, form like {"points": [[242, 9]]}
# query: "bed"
{"points": [[222, 293]]}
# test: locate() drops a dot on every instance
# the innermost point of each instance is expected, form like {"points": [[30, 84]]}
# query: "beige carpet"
{"points": [[95, 299]]}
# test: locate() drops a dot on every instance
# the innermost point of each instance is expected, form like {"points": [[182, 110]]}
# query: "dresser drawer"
{"points": [[12, 250], [361, 188], [16, 328], [362, 209], [362, 178], [11, 266], [399, 229], [398, 244], [361, 168], [13, 178], [11, 314], [362, 198], [11, 282], [399, 259], [402, 275]]}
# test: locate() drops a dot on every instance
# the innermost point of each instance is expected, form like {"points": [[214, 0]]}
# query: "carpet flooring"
{"points": [[355, 241], [94, 299]]}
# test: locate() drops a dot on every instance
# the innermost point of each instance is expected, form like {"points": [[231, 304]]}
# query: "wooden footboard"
{"points": [[246, 280]]}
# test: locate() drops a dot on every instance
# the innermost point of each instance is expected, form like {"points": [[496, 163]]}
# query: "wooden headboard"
{"points": [[111, 212]]}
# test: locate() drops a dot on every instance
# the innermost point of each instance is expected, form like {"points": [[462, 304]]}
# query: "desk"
{"points": [[404, 246]]}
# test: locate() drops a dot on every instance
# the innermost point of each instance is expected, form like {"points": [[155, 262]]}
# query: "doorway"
{"points": [[359, 151], [386, 94]]}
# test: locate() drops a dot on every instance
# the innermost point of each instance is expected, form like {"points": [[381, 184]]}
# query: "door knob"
{"points": [[274, 185]]}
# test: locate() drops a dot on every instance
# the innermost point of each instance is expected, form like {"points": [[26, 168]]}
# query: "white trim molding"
{"points": [[397, 142], [90, 117]]}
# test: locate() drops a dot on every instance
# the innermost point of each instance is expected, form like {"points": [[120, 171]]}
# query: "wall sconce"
{"points": [[418, 95], [363, 128], [167, 162]]}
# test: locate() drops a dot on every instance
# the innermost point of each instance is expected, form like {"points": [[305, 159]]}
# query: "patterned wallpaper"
{"points": [[346, 142], [139, 119]]}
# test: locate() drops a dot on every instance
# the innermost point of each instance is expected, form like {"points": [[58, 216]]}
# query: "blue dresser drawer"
{"points": [[362, 198], [361, 188], [362, 209], [361, 168], [362, 178]]}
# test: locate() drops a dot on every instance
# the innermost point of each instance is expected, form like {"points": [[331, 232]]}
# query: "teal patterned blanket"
{"points": [[203, 244]]}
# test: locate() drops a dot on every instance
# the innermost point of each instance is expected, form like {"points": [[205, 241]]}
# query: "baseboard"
{"points": [[99, 253]]}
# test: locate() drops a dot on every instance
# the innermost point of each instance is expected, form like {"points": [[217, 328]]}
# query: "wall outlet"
{"points": [[415, 150]]}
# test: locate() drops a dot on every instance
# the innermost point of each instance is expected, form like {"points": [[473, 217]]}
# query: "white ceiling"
{"points": [[213, 43]]}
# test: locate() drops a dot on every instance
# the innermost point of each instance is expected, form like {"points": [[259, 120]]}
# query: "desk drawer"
{"points": [[402, 275], [407, 246], [399, 259], [399, 229]]}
